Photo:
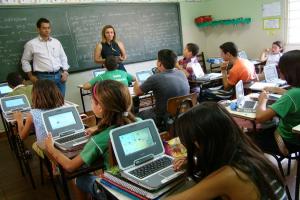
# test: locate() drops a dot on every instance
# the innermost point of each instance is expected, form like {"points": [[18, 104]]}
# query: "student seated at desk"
{"points": [[45, 96], [16, 82], [223, 160], [242, 69], [287, 107], [112, 73], [190, 65], [111, 102], [272, 56], [169, 82]]}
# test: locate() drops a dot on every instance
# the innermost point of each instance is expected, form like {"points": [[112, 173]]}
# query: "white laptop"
{"points": [[98, 72], [66, 127], [11, 104], [243, 104], [210, 77], [4, 89], [143, 75], [141, 156], [271, 75]]}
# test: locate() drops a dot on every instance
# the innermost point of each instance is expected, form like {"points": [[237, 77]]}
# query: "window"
{"points": [[293, 25]]}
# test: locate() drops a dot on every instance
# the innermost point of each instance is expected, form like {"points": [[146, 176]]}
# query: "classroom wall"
{"points": [[251, 38]]}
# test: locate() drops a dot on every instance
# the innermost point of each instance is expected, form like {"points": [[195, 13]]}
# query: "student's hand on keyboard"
{"points": [[179, 163], [276, 90], [49, 141], [89, 131], [18, 116]]}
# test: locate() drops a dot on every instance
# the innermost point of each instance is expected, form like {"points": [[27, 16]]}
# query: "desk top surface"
{"points": [[296, 129]]}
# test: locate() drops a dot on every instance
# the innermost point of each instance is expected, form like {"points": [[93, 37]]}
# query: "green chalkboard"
{"points": [[144, 28]]}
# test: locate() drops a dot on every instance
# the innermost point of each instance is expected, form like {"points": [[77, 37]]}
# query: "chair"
{"points": [[284, 153], [202, 62], [178, 105]]}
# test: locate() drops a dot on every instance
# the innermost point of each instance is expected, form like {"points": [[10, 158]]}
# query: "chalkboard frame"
{"points": [[80, 68]]}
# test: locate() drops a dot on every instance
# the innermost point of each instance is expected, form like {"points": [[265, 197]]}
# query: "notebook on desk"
{"points": [[271, 75], [11, 104], [66, 127], [243, 105], [4, 89], [141, 156], [98, 72], [143, 75]]}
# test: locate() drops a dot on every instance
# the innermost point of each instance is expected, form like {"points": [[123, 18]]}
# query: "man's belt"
{"points": [[50, 73]]}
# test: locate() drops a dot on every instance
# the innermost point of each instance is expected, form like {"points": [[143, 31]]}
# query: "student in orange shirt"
{"points": [[242, 69]]}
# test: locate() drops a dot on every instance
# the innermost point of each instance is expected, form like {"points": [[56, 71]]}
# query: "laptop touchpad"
{"points": [[167, 173]]}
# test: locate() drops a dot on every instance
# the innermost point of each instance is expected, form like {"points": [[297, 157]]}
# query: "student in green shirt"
{"points": [[112, 73], [111, 102], [287, 108], [16, 82]]}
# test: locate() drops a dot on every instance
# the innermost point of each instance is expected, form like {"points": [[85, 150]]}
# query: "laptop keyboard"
{"points": [[152, 167], [70, 138], [249, 104]]}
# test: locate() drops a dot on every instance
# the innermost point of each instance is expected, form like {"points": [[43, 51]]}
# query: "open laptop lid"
{"points": [[62, 121], [13, 103], [98, 72], [4, 89], [143, 75], [242, 54], [239, 93], [135, 143], [270, 72]]}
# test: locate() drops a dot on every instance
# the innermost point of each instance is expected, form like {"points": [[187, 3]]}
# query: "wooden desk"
{"points": [[296, 129]]}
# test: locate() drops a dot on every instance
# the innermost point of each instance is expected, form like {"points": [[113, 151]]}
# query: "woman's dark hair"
{"points": [[229, 47], [168, 58], [279, 44], [193, 48], [103, 33], [111, 63], [209, 133], [115, 101], [46, 95], [289, 65], [14, 79], [40, 21]]}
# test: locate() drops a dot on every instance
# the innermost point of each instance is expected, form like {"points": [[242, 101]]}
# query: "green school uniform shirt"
{"points": [[22, 89], [117, 75], [288, 108]]}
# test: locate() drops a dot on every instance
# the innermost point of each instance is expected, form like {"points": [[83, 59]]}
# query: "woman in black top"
{"points": [[109, 46]]}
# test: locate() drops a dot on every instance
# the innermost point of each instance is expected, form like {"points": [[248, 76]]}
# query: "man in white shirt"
{"points": [[48, 56]]}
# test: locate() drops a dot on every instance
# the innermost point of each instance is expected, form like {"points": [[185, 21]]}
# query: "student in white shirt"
{"points": [[272, 56], [48, 57]]}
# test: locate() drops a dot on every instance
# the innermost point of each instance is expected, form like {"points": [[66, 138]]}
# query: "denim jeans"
{"points": [[57, 80]]}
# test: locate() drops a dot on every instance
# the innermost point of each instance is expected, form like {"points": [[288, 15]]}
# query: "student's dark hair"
{"points": [[103, 39], [279, 44], [40, 21], [111, 63], [289, 65], [46, 95], [220, 142], [115, 101], [229, 47], [193, 48], [168, 58], [14, 79]]}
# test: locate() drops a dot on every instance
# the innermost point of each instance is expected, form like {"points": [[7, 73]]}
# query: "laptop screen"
{"points": [[143, 75], [98, 72], [14, 103], [136, 141], [62, 120], [4, 89], [270, 72], [239, 92]]}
